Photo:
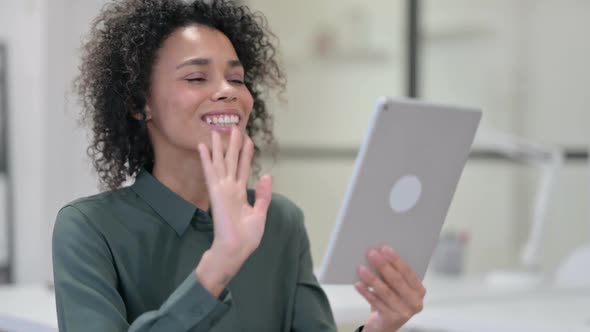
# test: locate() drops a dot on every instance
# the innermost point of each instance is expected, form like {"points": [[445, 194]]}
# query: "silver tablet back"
{"points": [[402, 185]]}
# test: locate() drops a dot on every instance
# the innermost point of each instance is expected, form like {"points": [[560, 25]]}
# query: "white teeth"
{"points": [[223, 119]]}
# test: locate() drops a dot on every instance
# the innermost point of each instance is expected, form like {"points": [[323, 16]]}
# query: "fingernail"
{"points": [[372, 253], [389, 250], [361, 270]]}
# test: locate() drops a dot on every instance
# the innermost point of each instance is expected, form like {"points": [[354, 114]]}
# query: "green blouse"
{"points": [[124, 260]]}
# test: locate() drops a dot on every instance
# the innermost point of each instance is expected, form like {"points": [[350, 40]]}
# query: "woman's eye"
{"points": [[237, 81], [196, 79]]}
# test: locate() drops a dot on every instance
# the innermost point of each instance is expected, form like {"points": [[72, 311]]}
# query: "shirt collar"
{"points": [[177, 212]]}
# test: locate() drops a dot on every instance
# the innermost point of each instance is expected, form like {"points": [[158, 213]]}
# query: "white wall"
{"points": [[21, 26], [47, 152], [558, 112], [525, 62]]}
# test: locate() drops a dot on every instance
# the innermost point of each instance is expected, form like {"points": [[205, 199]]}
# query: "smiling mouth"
{"points": [[221, 120]]}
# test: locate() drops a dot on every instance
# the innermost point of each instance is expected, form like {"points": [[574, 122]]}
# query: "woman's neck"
{"points": [[185, 177]]}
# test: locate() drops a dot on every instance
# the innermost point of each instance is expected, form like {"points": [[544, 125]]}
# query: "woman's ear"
{"points": [[145, 116], [148, 112]]}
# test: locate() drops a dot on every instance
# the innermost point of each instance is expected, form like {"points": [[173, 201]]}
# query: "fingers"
{"points": [[235, 163], [383, 292], [394, 279], [233, 150], [218, 160], [374, 301], [245, 160], [404, 269], [207, 164], [263, 195]]}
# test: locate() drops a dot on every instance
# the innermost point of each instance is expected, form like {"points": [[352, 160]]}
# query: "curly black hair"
{"points": [[115, 74]]}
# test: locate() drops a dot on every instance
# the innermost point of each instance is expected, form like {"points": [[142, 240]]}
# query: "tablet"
{"points": [[403, 181]]}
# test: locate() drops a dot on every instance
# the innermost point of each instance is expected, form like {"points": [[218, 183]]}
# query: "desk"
{"points": [[469, 304], [457, 305], [542, 311], [27, 308]]}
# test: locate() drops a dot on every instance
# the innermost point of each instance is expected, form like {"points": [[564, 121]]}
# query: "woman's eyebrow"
{"points": [[234, 63], [194, 62], [205, 62]]}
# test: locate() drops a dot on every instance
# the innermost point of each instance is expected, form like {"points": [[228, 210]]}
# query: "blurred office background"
{"points": [[524, 62]]}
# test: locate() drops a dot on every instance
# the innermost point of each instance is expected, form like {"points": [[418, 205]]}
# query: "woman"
{"points": [[173, 91]]}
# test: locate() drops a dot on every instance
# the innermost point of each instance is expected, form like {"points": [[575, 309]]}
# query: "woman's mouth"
{"points": [[221, 122]]}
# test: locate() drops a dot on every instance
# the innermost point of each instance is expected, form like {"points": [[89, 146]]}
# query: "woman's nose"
{"points": [[224, 91]]}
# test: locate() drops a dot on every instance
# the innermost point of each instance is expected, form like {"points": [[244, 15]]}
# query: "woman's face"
{"points": [[197, 87]]}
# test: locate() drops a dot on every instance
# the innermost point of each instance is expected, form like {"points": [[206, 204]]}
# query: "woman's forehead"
{"points": [[198, 40]]}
